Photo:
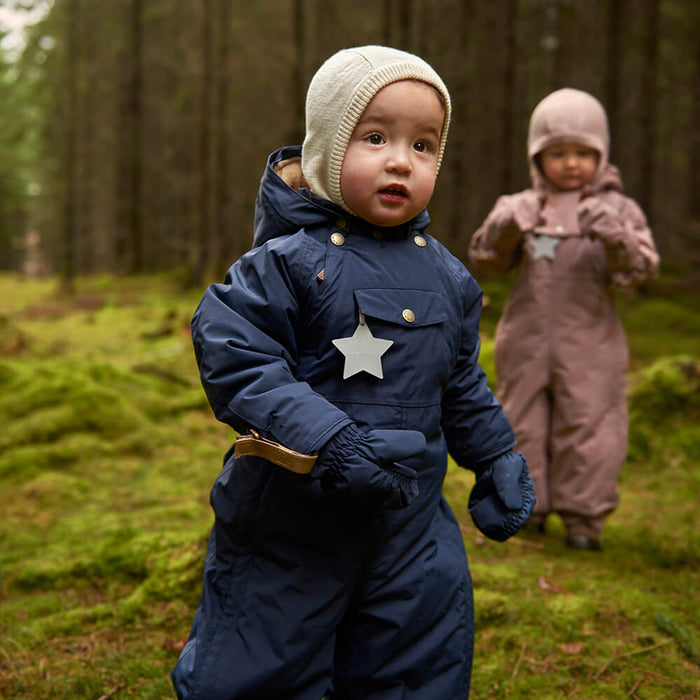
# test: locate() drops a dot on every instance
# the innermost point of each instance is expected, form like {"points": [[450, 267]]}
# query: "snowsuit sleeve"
{"points": [[244, 334], [620, 224], [475, 426], [497, 244]]}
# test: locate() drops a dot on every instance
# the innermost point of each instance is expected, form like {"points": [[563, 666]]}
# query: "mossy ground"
{"points": [[108, 450]]}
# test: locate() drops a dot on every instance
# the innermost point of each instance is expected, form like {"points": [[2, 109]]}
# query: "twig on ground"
{"points": [[516, 668], [629, 653], [112, 692], [633, 691], [661, 676]]}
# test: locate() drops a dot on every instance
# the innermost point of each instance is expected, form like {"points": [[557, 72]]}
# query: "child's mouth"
{"points": [[393, 193]]}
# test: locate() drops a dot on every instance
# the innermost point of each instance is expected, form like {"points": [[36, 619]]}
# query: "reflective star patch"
{"points": [[543, 247], [363, 352]]}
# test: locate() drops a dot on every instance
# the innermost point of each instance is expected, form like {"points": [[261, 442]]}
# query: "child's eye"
{"points": [[375, 139], [421, 146]]}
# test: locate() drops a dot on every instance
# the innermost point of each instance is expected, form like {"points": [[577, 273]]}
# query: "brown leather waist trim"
{"points": [[258, 446]]}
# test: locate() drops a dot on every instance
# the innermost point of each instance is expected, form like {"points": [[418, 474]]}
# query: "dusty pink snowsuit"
{"points": [[561, 353]]}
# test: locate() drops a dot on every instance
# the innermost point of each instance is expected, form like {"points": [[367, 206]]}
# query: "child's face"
{"points": [[389, 170], [569, 166]]}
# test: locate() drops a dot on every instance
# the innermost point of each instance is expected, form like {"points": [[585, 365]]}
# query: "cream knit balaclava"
{"points": [[568, 116], [336, 99]]}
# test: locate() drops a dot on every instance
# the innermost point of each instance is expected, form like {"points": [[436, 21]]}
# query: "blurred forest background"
{"points": [[133, 133]]}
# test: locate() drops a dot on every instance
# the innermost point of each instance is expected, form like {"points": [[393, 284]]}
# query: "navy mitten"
{"points": [[503, 496], [366, 465]]}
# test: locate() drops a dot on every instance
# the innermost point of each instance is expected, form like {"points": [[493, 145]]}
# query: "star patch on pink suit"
{"points": [[543, 247]]}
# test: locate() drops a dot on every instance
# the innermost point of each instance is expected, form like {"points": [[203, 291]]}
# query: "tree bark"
{"points": [[299, 72], [648, 112], [223, 247], [511, 12], [135, 217], [612, 69], [202, 243], [70, 163]]}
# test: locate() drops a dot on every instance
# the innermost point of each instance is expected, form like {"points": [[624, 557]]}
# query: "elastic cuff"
{"points": [[343, 444]]}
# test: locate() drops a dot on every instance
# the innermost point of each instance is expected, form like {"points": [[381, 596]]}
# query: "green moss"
{"points": [[493, 608], [668, 388], [108, 450]]}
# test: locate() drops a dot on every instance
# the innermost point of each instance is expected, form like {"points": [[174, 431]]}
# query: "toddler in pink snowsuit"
{"points": [[561, 354]]}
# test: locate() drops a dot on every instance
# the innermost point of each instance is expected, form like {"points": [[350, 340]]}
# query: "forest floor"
{"points": [[108, 450]]}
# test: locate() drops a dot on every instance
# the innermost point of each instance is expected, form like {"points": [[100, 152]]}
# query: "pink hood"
{"points": [[565, 116]]}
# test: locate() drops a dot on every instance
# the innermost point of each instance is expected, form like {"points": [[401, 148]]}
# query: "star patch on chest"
{"points": [[363, 352], [543, 247]]}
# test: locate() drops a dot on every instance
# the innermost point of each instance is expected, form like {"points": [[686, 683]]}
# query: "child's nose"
{"points": [[399, 159]]}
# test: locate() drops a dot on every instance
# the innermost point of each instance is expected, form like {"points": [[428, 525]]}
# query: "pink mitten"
{"points": [[514, 214], [596, 218]]}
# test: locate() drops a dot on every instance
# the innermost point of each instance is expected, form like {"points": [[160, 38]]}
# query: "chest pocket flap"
{"points": [[411, 308]]}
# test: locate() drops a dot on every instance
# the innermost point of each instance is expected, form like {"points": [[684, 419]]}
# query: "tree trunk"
{"points": [[508, 95], [70, 163], [648, 112], [298, 123], [405, 22], [223, 245], [460, 168], [612, 70], [202, 243], [386, 22], [694, 140], [135, 217]]}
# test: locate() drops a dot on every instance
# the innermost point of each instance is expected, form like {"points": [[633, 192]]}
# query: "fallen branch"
{"points": [[633, 692], [112, 692], [630, 653]]}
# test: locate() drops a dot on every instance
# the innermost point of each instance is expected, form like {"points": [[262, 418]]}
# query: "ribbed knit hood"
{"points": [[337, 97]]}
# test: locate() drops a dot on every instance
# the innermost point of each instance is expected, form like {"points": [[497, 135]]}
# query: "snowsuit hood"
{"points": [[569, 116], [285, 204]]}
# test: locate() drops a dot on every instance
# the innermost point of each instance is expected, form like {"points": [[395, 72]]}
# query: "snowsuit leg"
{"points": [[523, 390], [408, 634], [589, 438], [278, 575]]}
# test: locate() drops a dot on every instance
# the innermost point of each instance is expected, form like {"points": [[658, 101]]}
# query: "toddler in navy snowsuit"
{"points": [[349, 336]]}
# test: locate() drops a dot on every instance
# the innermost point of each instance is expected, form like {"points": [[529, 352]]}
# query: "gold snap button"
{"points": [[340, 223], [420, 241], [337, 238], [408, 315]]}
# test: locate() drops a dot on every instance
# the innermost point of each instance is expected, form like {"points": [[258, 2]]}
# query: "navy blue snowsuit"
{"points": [[306, 593]]}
